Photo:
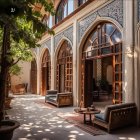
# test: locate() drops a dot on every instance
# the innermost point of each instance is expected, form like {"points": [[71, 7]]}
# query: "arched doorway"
{"points": [[101, 54], [33, 77], [64, 68], [46, 72]]}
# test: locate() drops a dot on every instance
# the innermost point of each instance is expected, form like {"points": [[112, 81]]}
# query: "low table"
{"points": [[86, 112]]}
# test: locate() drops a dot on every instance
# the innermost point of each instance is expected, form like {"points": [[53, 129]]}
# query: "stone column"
{"points": [[137, 76], [137, 63], [52, 63], [128, 55], [75, 94], [38, 70]]}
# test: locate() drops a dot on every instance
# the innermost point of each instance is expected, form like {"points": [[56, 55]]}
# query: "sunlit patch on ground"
{"points": [[41, 123]]}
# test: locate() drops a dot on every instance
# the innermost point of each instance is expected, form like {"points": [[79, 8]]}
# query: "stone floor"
{"points": [[39, 122]]}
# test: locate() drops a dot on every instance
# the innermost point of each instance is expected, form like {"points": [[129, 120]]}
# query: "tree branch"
{"points": [[16, 61]]}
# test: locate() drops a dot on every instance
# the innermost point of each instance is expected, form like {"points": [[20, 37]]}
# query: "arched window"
{"points": [[47, 20], [64, 9], [101, 39]]}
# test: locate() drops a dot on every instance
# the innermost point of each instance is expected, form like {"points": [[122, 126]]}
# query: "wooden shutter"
{"points": [[117, 74]]}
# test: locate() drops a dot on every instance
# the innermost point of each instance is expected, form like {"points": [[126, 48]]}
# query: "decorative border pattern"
{"points": [[138, 4], [68, 33], [113, 10], [47, 44]]}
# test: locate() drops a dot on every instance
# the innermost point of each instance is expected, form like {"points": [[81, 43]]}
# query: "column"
{"points": [[128, 55], [137, 65], [75, 93], [52, 64], [38, 71]]}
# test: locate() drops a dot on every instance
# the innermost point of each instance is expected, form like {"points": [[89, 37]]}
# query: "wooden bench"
{"points": [[59, 99], [116, 116], [18, 89]]}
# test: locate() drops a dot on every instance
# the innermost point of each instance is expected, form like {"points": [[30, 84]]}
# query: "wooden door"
{"points": [[82, 83], [57, 77], [68, 74], [117, 74], [47, 79], [33, 80], [62, 78], [88, 83], [44, 81]]}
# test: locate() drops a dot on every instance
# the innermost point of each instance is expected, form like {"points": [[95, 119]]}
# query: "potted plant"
{"points": [[20, 28]]}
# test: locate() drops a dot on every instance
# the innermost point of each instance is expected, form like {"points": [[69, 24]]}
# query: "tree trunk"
{"points": [[4, 68]]}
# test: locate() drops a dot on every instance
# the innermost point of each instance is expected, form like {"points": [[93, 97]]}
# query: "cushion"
{"points": [[48, 96], [100, 116], [115, 106], [52, 99]]}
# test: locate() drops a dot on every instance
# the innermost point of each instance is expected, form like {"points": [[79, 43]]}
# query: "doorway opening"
{"points": [[33, 79], [46, 73], [64, 68], [101, 69]]}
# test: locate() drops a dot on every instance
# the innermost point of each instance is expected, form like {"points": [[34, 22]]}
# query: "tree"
{"points": [[21, 29]]}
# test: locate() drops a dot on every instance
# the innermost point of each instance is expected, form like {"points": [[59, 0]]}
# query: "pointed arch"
{"points": [[45, 71], [63, 57], [86, 64]]}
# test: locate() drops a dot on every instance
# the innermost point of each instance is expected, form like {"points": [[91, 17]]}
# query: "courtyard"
{"points": [[41, 122]]}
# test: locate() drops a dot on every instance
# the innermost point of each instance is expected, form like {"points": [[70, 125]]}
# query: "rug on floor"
{"points": [[77, 120], [42, 102]]}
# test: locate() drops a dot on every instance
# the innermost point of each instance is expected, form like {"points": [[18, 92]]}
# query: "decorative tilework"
{"points": [[68, 33], [85, 23], [138, 10], [47, 44], [113, 10]]}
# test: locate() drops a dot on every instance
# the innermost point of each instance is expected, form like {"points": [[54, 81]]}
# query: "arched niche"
{"points": [[64, 70], [46, 72]]}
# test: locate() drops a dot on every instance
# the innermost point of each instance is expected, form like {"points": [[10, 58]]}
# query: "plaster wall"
{"points": [[24, 77]]}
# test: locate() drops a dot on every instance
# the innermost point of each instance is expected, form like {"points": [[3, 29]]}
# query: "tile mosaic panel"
{"points": [[113, 10]]}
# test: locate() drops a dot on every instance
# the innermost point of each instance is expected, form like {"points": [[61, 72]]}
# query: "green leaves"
{"points": [[21, 51], [15, 70], [26, 28]]}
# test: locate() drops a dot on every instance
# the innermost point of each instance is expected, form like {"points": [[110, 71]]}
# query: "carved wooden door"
{"points": [[43, 80], [68, 74], [82, 99], [33, 77]]}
